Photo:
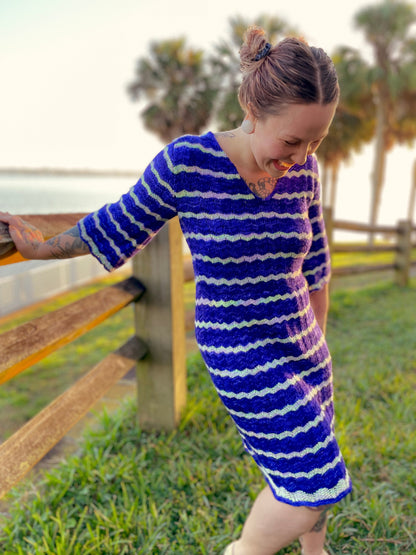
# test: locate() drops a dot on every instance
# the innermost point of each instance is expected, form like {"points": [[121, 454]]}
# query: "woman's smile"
{"points": [[281, 166]]}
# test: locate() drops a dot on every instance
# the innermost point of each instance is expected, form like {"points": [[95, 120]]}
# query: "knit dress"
{"points": [[255, 262]]}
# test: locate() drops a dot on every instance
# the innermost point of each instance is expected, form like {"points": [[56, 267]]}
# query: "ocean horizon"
{"points": [[54, 191], [48, 193]]}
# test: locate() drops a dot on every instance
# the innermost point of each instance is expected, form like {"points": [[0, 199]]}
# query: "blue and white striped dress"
{"points": [[255, 262]]}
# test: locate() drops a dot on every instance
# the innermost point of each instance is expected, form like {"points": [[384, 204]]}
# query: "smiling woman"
{"points": [[78, 78], [250, 210], [289, 138], [289, 96]]}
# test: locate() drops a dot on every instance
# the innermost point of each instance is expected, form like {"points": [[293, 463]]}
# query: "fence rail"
{"points": [[158, 348], [22, 451], [403, 237], [31, 342]]}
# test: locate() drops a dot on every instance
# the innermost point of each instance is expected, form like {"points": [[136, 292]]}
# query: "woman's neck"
{"points": [[236, 145]]}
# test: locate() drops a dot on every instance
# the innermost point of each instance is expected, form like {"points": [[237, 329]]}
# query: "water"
{"points": [[47, 193], [25, 193]]}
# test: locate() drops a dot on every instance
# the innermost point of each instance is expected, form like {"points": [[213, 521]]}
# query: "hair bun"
{"points": [[294, 73], [263, 52], [255, 48]]}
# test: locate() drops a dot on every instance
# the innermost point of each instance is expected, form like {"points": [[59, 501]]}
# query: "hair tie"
{"points": [[263, 52]]}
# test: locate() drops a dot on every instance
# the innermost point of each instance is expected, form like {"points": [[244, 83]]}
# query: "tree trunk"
{"points": [[324, 185], [334, 183], [377, 177], [412, 200]]}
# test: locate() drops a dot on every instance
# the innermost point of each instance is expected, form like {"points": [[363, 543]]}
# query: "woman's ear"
{"points": [[249, 123], [247, 126]]}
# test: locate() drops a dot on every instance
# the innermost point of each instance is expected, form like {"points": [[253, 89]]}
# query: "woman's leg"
{"points": [[271, 525], [313, 541]]}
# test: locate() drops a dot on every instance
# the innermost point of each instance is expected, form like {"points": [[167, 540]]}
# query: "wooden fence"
{"points": [[158, 348], [402, 242]]}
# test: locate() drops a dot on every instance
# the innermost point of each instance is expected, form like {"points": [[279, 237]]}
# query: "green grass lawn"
{"points": [[24, 396], [189, 492]]}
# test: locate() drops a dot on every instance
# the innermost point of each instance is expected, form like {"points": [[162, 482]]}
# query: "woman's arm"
{"points": [[30, 243], [320, 304]]}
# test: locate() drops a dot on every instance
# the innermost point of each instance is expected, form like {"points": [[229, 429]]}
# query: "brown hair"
{"points": [[291, 72]]}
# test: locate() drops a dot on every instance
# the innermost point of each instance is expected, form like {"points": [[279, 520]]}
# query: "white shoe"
{"points": [[229, 550]]}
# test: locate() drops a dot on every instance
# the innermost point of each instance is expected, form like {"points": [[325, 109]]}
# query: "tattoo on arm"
{"points": [[68, 244]]}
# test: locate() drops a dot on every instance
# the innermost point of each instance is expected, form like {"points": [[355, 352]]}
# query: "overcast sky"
{"points": [[65, 66]]}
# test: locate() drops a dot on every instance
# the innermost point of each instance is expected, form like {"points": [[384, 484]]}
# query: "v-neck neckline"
{"points": [[241, 179]]}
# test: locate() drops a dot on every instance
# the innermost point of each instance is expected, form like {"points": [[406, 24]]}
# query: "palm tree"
{"points": [[349, 132], [388, 28], [354, 120], [175, 81], [226, 66], [185, 89]]}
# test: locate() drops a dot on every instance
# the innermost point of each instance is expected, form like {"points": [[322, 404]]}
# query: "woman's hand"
{"points": [[30, 243], [320, 302], [26, 237]]}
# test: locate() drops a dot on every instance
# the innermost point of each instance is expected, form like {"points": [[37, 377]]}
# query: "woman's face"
{"points": [[279, 142]]}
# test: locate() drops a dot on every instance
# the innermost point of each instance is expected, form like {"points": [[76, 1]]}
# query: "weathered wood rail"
{"points": [[157, 349], [403, 243]]}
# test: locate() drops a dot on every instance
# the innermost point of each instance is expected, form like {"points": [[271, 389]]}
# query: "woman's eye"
{"points": [[315, 145], [291, 143]]}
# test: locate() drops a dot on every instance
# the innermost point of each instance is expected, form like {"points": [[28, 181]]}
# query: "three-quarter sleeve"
{"points": [[117, 231], [317, 266]]}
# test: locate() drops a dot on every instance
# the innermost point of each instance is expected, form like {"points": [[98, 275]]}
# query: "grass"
{"points": [[341, 259], [189, 492], [25, 395], [372, 338]]}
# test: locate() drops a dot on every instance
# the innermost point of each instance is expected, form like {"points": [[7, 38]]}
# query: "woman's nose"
{"points": [[300, 155]]}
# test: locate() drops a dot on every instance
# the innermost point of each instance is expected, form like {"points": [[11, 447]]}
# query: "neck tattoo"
{"points": [[264, 187]]}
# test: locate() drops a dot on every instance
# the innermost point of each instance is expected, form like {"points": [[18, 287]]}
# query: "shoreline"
{"points": [[70, 172]]}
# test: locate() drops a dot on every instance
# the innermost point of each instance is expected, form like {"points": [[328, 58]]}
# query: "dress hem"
{"points": [[302, 503]]}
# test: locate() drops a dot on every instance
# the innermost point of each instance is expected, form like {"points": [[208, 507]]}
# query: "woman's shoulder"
{"points": [[205, 143], [311, 164], [308, 172], [302, 179], [197, 151]]}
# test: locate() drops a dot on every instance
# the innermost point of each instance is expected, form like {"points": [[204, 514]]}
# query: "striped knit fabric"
{"points": [[255, 262]]}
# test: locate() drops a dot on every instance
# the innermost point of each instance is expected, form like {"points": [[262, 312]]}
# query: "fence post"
{"points": [[404, 252], [160, 322]]}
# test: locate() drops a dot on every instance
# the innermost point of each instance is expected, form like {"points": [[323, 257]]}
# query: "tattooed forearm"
{"points": [[30, 243], [67, 245]]}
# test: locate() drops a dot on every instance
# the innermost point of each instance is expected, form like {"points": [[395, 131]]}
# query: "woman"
{"points": [[249, 205]]}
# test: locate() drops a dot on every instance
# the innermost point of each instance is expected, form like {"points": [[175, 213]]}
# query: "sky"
{"points": [[65, 67]]}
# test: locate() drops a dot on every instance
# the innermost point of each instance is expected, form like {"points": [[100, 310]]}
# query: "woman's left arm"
{"points": [[320, 304]]}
